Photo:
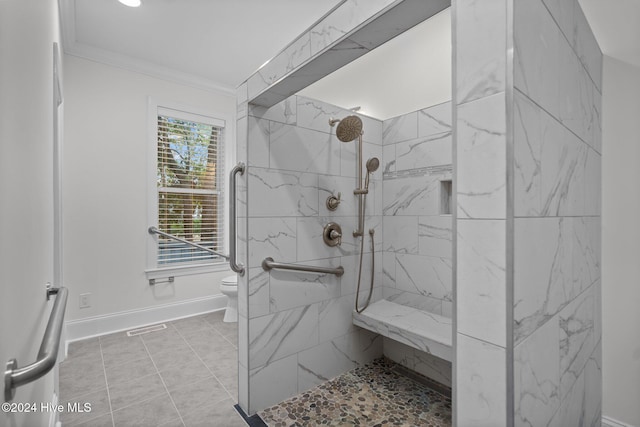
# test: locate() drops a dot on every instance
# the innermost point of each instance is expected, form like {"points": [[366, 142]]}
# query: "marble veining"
{"points": [[271, 237], [420, 302], [528, 136], [411, 196], [481, 401], [482, 280], [282, 334], [258, 293], [296, 192], [435, 120], [423, 152], [543, 269], [577, 340], [416, 328], [481, 168], [424, 275], [435, 236], [481, 61], [537, 376], [400, 128]]}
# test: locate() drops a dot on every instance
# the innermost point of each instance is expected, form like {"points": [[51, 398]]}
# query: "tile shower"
{"points": [[516, 264]]}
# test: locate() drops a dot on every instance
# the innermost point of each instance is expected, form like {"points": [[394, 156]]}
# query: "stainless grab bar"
{"points": [[14, 377], [233, 236], [268, 264], [154, 230]]}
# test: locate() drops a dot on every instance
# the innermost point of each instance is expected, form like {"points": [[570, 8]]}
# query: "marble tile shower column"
{"points": [[527, 153]]}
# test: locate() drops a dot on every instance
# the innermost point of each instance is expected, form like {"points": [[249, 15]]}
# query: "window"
{"points": [[189, 187]]}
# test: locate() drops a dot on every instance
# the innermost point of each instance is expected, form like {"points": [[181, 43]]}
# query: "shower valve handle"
{"points": [[333, 202], [332, 234]]}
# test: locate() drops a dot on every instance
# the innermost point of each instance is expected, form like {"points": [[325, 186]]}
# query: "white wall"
{"points": [[621, 241], [105, 188], [27, 32]]}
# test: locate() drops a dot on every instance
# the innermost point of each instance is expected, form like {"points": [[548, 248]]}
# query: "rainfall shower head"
{"points": [[373, 164], [349, 128]]}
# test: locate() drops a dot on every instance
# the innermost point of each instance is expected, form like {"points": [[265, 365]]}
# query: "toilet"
{"points": [[229, 287]]}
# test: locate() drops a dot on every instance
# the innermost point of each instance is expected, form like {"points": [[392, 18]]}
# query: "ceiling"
{"points": [[420, 80], [219, 44], [616, 25], [214, 44]]}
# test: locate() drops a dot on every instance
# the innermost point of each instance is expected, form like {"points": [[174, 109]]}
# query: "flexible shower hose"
{"points": [[371, 232]]}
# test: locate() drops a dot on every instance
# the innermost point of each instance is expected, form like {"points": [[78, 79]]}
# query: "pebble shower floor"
{"points": [[373, 395]]}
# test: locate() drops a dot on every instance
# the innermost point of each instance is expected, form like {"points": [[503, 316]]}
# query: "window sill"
{"points": [[186, 270]]}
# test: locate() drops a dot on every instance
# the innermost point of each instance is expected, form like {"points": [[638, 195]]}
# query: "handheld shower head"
{"points": [[349, 128], [372, 165]]}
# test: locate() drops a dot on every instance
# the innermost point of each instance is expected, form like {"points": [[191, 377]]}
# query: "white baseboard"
{"points": [[610, 422], [125, 320]]}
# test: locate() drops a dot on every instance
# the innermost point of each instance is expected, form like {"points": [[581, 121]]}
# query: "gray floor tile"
{"points": [[149, 413], [197, 395], [211, 354], [124, 394], [128, 371], [223, 363], [226, 371], [222, 412], [233, 339], [162, 340], [125, 350], [174, 357], [205, 342], [79, 382], [99, 402], [176, 423], [214, 317], [186, 372], [118, 336], [227, 329], [83, 348], [142, 400], [101, 421], [196, 323], [88, 363]]}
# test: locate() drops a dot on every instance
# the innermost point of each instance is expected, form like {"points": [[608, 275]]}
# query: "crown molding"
{"points": [[71, 47]]}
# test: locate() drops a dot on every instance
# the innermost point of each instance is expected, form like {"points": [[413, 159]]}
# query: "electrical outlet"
{"points": [[85, 300]]}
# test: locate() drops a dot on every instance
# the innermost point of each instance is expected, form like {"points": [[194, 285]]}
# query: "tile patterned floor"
{"points": [[185, 375], [373, 395]]}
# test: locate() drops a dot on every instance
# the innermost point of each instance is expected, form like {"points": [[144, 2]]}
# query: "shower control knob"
{"points": [[333, 202], [332, 234]]}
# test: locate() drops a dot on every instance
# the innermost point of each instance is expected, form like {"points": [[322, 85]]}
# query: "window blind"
{"points": [[189, 184]]}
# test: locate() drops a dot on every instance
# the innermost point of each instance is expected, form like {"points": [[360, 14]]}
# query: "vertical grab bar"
{"points": [[233, 236]]}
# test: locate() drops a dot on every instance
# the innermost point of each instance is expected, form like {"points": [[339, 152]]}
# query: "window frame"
{"points": [[186, 112]]}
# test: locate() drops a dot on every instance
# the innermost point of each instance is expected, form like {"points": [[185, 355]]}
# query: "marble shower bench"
{"points": [[416, 328]]}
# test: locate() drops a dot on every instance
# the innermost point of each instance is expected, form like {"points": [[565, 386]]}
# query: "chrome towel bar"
{"points": [[268, 264], [14, 377]]}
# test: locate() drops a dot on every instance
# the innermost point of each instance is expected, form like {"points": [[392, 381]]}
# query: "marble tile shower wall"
{"points": [[541, 194], [300, 327], [324, 34], [557, 146], [481, 211], [417, 247]]}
